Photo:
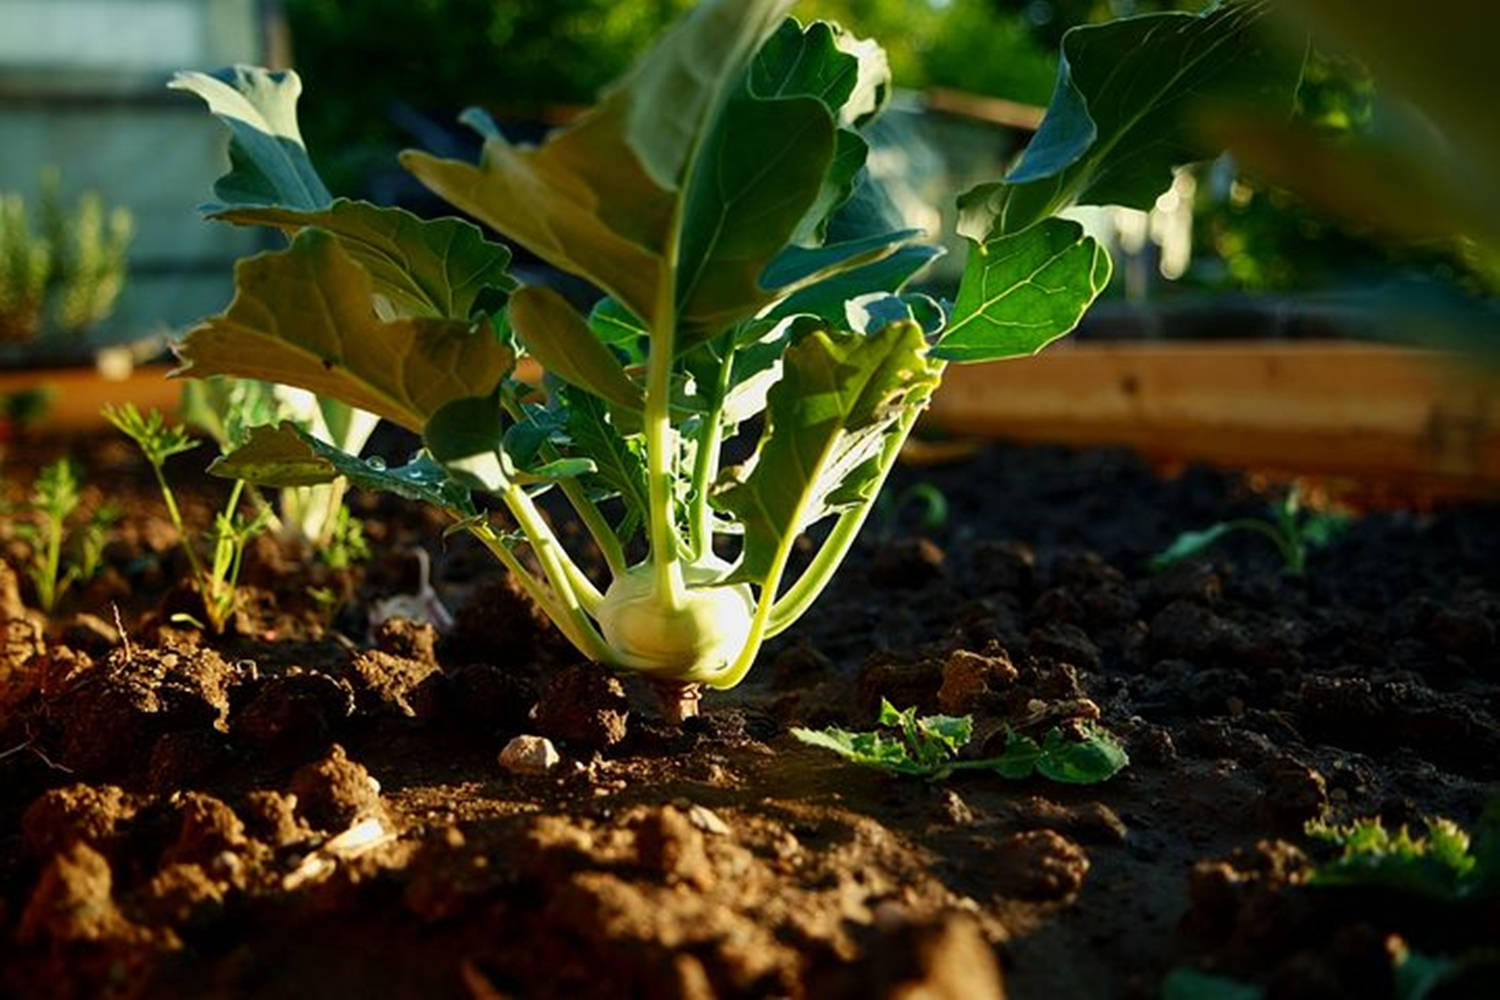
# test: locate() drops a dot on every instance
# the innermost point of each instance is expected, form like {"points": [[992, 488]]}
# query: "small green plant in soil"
{"points": [[754, 279], [216, 579], [62, 553], [1294, 529], [66, 272], [1446, 863], [929, 746], [227, 409]]}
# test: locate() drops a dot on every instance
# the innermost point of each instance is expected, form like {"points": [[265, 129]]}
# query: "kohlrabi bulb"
{"points": [[704, 634]]}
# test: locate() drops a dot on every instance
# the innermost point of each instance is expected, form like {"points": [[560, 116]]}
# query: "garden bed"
{"points": [[154, 846]]}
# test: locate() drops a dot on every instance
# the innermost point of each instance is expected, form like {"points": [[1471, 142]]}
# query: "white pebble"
{"points": [[529, 755]]}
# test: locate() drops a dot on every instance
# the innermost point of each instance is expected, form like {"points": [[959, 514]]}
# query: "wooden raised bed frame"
{"points": [[1415, 420]]}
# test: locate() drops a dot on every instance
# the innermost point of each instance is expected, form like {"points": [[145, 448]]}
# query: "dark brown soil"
{"points": [[309, 807]]}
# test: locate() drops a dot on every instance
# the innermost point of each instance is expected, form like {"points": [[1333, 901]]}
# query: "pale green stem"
{"points": [[575, 589], [48, 585], [588, 511], [800, 596], [700, 523], [176, 517], [566, 619], [661, 452], [598, 527]]}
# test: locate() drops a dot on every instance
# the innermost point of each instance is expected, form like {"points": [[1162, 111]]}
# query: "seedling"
{"points": [[929, 746], [1444, 864], [227, 409], [61, 556], [718, 198], [217, 580], [1292, 528], [66, 272], [931, 501]]}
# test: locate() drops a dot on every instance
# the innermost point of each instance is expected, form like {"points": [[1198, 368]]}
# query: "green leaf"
{"points": [[286, 455], [621, 462], [1183, 983], [1442, 865], [1021, 292], [866, 749], [816, 62], [613, 324], [598, 198], [552, 332], [306, 317], [1127, 109], [829, 416], [1189, 544], [439, 268], [268, 163], [464, 437], [826, 297], [953, 731], [761, 172], [796, 268], [1097, 757]]}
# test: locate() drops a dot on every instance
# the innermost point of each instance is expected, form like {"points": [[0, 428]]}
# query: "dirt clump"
{"points": [[583, 705], [335, 792]]}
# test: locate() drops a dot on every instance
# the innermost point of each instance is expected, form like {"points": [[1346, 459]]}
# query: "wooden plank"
{"points": [[77, 394], [1330, 408], [994, 110]]}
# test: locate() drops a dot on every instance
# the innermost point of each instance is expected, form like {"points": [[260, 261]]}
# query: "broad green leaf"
{"points": [[825, 298], [829, 416], [613, 324], [1021, 292], [817, 62], [306, 317], [286, 455], [621, 461], [761, 172], [555, 334], [438, 267], [465, 437], [796, 268], [1018, 762], [598, 198], [1097, 757], [1127, 109], [268, 162]]}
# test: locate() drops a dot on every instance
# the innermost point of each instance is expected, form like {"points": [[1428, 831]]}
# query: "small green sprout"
{"points": [[61, 557], [928, 747], [218, 580], [1444, 864], [929, 499], [346, 542], [1293, 529]]}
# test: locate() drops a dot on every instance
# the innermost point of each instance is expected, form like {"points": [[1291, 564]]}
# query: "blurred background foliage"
{"points": [[384, 74]]}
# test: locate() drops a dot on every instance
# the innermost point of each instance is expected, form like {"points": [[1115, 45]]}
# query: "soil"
{"points": [[308, 805]]}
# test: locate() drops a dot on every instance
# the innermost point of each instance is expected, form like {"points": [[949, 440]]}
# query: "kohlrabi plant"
{"points": [[754, 286]]}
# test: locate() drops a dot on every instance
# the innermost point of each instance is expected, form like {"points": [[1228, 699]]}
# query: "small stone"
{"points": [[707, 820], [529, 755]]}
